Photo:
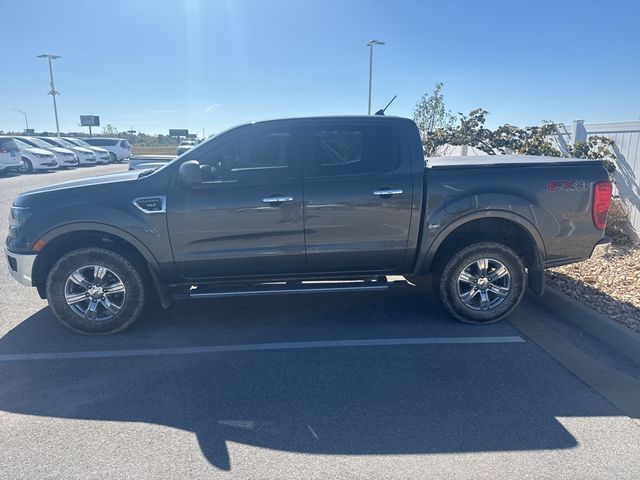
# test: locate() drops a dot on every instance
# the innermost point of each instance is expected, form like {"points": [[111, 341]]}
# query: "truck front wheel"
{"points": [[482, 283], [95, 291]]}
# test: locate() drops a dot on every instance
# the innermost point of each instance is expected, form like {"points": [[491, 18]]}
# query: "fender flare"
{"points": [[104, 228], [535, 272], [152, 263]]}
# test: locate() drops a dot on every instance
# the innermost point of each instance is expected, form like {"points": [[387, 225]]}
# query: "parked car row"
{"points": [[27, 154]]}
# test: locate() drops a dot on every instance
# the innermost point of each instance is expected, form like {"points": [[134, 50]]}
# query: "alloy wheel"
{"points": [[95, 293], [484, 284]]}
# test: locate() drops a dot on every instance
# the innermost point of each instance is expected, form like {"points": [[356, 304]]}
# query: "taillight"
{"points": [[601, 204]]}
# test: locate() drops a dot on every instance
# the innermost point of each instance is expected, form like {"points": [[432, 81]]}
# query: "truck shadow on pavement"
{"points": [[347, 401]]}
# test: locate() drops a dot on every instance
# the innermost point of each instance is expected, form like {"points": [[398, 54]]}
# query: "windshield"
{"points": [[36, 142], [62, 143], [79, 143], [21, 144]]}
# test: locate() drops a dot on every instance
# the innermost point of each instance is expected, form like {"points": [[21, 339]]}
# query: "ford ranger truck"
{"points": [[309, 205]]}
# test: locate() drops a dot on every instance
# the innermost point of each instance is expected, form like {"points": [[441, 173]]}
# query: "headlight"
{"points": [[69, 154], [18, 216], [43, 155]]}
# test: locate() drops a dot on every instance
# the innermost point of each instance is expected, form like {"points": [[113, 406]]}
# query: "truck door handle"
{"points": [[387, 192], [280, 199]]}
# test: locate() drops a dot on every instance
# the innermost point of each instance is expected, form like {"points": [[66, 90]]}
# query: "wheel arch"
{"points": [[513, 230], [62, 240]]}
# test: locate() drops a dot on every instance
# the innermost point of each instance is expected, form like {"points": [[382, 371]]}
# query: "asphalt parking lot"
{"points": [[344, 386]]}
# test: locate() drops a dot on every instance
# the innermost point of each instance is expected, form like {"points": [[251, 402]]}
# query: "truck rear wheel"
{"points": [[482, 283], [95, 291]]}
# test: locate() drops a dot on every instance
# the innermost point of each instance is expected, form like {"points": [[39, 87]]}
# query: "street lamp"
{"points": [[26, 121], [371, 44], [53, 92]]}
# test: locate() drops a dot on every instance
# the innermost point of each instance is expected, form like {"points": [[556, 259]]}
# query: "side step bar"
{"points": [[285, 289]]}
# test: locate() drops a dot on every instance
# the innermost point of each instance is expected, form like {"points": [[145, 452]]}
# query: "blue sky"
{"points": [[155, 65]]}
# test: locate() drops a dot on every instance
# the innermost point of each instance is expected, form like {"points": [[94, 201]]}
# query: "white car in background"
{"points": [[9, 155], [149, 162], [66, 158], [34, 158], [102, 155], [185, 146], [85, 156], [119, 148]]}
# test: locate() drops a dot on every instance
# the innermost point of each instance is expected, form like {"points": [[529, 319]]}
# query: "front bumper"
{"points": [[21, 266], [68, 161], [46, 165], [87, 160]]}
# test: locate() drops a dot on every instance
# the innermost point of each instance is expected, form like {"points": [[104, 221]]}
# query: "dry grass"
{"points": [[156, 150], [618, 227], [607, 283]]}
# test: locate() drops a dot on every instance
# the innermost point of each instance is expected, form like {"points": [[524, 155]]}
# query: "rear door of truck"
{"points": [[357, 196]]}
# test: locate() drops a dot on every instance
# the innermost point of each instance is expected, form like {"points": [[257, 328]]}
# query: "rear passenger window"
{"points": [[355, 150], [8, 144]]}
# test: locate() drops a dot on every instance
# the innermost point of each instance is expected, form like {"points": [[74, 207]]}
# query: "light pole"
{"points": [[26, 120], [371, 44], [53, 92]]}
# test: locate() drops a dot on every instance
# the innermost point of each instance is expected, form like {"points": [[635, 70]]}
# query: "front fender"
{"points": [[102, 228]]}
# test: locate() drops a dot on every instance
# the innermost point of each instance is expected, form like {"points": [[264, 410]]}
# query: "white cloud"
{"points": [[211, 107]]}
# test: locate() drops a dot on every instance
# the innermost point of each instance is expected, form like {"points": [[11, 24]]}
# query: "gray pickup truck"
{"points": [[310, 205]]}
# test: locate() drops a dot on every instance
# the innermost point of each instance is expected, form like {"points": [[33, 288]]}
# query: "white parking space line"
{"points": [[146, 352]]}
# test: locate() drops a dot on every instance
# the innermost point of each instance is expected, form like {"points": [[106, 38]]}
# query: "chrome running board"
{"points": [[285, 289]]}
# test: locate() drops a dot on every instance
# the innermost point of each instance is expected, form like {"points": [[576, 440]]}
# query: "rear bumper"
{"points": [[11, 167], [21, 266], [601, 247]]}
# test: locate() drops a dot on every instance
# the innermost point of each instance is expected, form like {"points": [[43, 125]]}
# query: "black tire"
{"points": [[450, 289], [28, 166], [132, 301], [114, 157]]}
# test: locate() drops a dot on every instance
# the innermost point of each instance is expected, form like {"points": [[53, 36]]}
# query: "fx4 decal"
{"points": [[567, 185]]}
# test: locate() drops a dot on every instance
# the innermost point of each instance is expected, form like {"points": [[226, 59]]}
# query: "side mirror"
{"points": [[189, 173]]}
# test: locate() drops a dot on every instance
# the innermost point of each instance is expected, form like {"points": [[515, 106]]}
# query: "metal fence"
{"points": [[626, 136]]}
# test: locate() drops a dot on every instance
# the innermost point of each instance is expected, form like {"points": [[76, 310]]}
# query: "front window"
{"points": [[258, 150]]}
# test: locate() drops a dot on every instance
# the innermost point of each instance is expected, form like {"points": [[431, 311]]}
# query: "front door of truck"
{"points": [[246, 217]]}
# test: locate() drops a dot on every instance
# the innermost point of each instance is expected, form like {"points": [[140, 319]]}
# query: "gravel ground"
{"points": [[607, 283]]}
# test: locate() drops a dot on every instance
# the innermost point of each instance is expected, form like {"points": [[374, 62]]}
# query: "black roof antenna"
{"points": [[381, 112]]}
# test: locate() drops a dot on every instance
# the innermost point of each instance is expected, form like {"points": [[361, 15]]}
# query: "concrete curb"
{"points": [[607, 330]]}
